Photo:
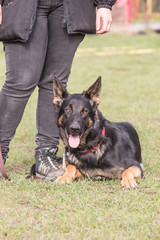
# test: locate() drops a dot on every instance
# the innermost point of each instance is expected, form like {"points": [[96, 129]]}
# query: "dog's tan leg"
{"points": [[70, 175], [129, 177]]}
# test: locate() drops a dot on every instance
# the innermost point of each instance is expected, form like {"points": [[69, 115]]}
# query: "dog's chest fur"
{"points": [[94, 171]]}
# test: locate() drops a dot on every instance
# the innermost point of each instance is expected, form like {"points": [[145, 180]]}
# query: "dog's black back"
{"points": [[99, 148]]}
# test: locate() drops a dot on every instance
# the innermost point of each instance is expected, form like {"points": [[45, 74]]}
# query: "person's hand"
{"points": [[103, 20], [0, 14]]}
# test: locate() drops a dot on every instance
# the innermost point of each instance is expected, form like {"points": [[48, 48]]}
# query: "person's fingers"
{"points": [[0, 14], [105, 27], [98, 22], [104, 19], [109, 27], [104, 24]]}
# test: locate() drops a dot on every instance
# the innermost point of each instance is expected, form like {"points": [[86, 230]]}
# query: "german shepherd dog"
{"points": [[95, 147]]}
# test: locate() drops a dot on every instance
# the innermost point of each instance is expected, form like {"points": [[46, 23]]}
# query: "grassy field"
{"points": [[88, 210]]}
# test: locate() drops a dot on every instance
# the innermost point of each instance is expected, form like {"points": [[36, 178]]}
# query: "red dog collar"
{"points": [[95, 147]]}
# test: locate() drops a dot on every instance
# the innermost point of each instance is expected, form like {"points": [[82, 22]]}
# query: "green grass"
{"points": [[86, 209]]}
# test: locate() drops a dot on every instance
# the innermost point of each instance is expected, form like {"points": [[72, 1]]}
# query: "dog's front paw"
{"points": [[128, 183], [64, 179], [129, 177]]}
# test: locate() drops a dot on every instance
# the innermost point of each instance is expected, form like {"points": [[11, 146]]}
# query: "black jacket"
{"points": [[99, 3], [80, 15]]}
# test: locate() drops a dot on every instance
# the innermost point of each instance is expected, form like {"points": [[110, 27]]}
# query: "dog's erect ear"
{"points": [[59, 92], [93, 93]]}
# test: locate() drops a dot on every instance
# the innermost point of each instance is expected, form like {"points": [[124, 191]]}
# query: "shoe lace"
{"points": [[48, 156]]}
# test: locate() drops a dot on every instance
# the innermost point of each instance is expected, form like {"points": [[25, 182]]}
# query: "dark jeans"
{"points": [[49, 52]]}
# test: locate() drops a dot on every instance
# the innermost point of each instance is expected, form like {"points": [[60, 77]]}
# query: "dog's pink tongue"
{"points": [[74, 141]]}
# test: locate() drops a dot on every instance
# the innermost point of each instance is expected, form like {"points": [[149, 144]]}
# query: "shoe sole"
{"points": [[50, 177]]}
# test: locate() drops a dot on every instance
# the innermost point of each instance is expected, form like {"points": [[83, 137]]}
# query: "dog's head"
{"points": [[77, 112]]}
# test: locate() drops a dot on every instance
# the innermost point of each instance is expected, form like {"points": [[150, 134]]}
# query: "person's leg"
{"points": [[24, 64], [60, 53]]}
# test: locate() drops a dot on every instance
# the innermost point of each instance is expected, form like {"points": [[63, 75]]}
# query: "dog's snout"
{"points": [[74, 128]]}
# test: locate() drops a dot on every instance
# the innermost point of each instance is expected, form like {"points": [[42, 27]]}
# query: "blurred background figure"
{"points": [[136, 16]]}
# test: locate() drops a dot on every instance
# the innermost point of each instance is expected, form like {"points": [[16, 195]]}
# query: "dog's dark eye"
{"points": [[84, 111], [68, 110]]}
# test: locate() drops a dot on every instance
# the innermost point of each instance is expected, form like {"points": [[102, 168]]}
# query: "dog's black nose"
{"points": [[74, 129]]}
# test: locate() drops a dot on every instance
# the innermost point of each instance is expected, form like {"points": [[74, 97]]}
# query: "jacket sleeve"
{"points": [[104, 3], [1, 1]]}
